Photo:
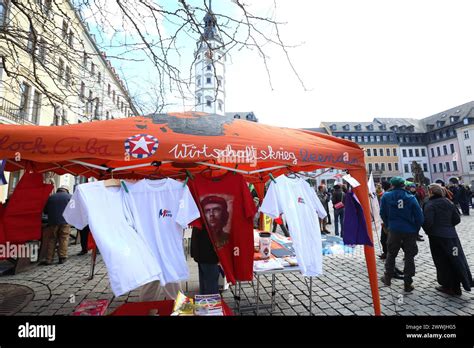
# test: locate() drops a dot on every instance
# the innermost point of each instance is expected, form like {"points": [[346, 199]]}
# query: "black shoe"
{"points": [[45, 263], [398, 276], [386, 280], [383, 256], [62, 260], [83, 252], [448, 291], [409, 287]]}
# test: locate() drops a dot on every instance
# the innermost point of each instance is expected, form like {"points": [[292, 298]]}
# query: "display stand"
{"points": [[257, 305]]}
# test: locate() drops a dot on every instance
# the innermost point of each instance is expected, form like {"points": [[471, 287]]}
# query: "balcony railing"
{"points": [[12, 112]]}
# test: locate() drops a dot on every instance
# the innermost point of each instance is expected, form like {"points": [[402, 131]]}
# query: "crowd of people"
{"points": [[406, 209]]}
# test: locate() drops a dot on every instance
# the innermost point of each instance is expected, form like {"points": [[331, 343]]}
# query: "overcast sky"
{"points": [[360, 59]]}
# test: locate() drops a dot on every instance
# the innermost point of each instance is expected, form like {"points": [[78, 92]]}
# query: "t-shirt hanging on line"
{"points": [[302, 209], [227, 211], [130, 262], [165, 208]]}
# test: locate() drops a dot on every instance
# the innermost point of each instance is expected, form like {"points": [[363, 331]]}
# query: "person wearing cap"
{"points": [[58, 227], [441, 217], [402, 217]]}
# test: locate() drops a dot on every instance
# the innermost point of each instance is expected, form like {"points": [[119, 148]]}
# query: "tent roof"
{"points": [[170, 144]]}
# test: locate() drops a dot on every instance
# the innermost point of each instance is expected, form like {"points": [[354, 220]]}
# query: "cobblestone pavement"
{"points": [[342, 290]]}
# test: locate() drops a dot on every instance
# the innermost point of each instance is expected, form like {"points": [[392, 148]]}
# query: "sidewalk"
{"points": [[342, 290]]}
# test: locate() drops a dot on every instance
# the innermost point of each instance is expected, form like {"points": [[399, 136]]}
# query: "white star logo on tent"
{"points": [[141, 144]]}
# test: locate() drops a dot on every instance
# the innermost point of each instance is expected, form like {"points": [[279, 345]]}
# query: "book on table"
{"points": [[208, 305]]}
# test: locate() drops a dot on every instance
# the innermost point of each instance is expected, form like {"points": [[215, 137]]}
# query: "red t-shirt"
{"points": [[227, 209]]}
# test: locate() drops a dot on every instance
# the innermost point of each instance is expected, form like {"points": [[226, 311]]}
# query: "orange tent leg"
{"points": [[363, 194]]}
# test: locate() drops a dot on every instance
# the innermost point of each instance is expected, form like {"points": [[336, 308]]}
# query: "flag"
{"points": [[3, 180], [374, 203]]}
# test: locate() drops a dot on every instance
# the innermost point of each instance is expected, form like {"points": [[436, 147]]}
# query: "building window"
{"points": [[371, 138], [440, 166], [438, 150], [451, 147], [113, 96], [366, 138], [108, 90], [384, 138], [448, 169], [432, 152], [209, 67], [376, 166], [369, 152], [377, 138], [471, 166], [425, 167], [404, 153], [30, 45], [208, 80], [70, 40], [99, 77], [92, 69], [208, 103], [394, 152], [406, 168], [4, 4], [410, 152], [469, 150], [118, 101], [417, 153], [65, 28], [396, 167], [388, 152], [84, 62], [445, 150], [370, 166], [42, 51], [383, 167], [35, 116], [61, 69], [24, 99], [83, 91], [455, 165], [198, 81], [381, 152], [423, 152], [220, 106], [67, 80], [107, 115], [390, 167], [466, 134], [199, 99]]}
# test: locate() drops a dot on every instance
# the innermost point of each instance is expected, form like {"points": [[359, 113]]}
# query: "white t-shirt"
{"points": [[129, 261], [302, 209], [165, 208]]}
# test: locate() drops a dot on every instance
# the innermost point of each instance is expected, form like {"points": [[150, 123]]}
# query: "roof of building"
{"points": [[244, 115], [459, 113], [412, 125], [319, 130]]}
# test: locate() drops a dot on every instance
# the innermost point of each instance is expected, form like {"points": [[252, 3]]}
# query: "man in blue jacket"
{"points": [[403, 217]]}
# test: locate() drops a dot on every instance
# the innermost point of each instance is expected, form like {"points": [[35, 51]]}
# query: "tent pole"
{"points": [[138, 166], [362, 192], [266, 169], [89, 165]]}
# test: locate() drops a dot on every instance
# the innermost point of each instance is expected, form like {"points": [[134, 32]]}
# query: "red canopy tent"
{"points": [[179, 144]]}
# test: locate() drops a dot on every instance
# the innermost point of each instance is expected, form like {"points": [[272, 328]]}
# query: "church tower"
{"points": [[209, 68]]}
